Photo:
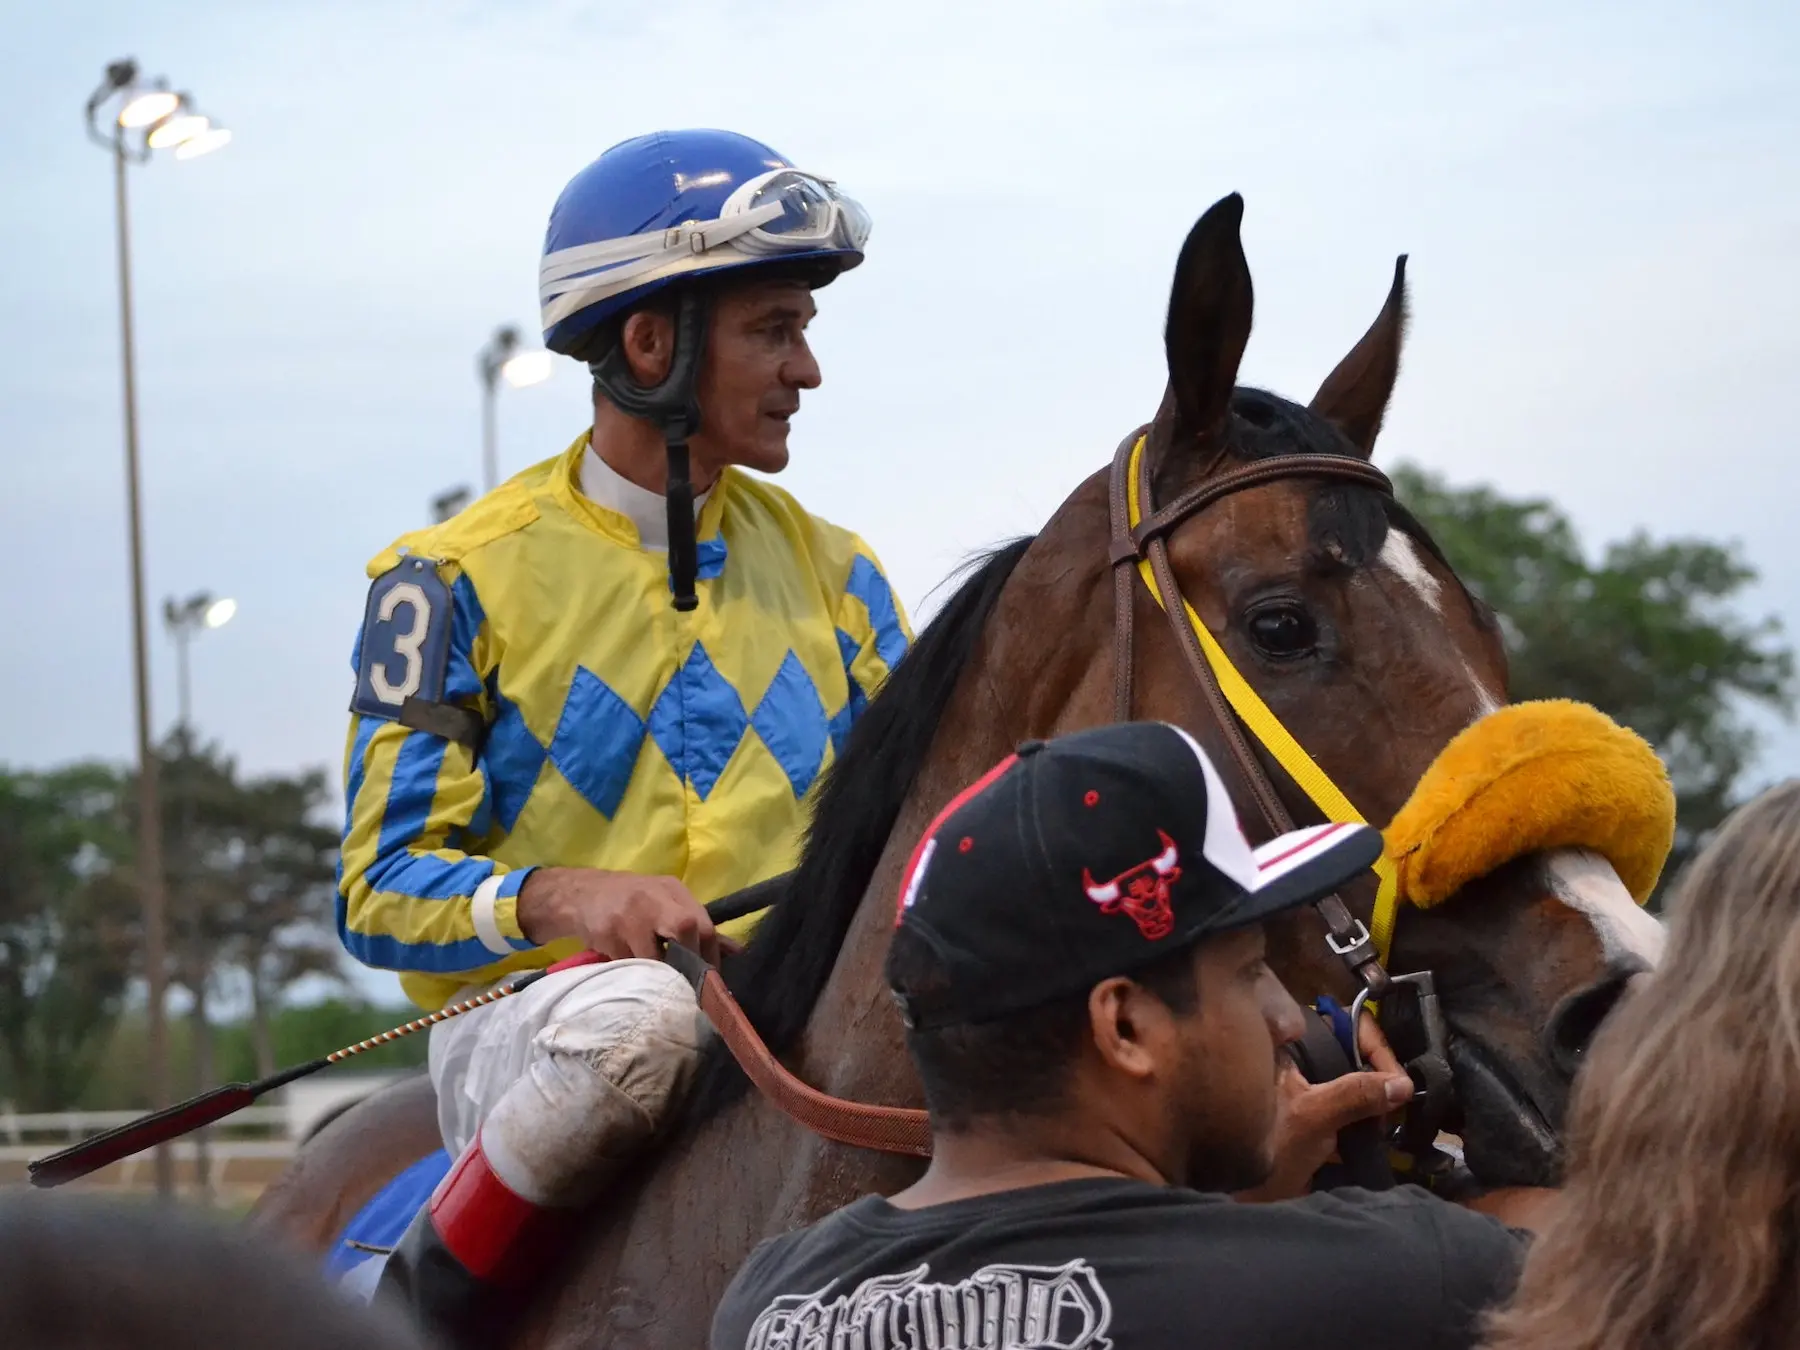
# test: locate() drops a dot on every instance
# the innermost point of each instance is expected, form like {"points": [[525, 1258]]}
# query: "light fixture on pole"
{"points": [[503, 358], [143, 107], [203, 142], [196, 614], [180, 125], [136, 112]]}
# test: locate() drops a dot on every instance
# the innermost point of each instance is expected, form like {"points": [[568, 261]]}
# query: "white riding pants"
{"points": [[568, 1078]]}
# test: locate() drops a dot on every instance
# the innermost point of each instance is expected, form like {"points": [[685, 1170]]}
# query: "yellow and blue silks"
{"points": [[620, 734]]}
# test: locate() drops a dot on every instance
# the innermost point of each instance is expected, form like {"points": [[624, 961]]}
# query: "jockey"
{"points": [[603, 690]]}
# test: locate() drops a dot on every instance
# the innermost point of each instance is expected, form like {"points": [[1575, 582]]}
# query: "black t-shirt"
{"points": [[1094, 1264]]}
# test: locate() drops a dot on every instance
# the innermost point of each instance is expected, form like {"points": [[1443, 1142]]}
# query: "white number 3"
{"points": [[406, 644]]}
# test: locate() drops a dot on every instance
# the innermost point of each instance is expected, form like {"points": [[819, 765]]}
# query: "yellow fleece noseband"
{"points": [[1528, 778]]}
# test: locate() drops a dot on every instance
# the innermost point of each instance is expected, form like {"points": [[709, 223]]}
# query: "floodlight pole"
{"points": [[488, 364], [152, 899], [121, 80]]}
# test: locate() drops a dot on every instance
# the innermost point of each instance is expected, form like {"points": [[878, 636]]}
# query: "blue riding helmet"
{"points": [[676, 204]]}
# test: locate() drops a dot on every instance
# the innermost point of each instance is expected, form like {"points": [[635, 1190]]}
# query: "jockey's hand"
{"points": [[1308, 1117], [618, 914]]}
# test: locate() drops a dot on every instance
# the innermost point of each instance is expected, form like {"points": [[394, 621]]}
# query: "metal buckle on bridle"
{"points": [[1356, 948], [1429, 1069]]}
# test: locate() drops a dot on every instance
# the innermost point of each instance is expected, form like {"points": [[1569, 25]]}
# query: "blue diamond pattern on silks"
{"points": [[791, 721], [846, 716], [697, 722], [710, 557], [596, 742], [868, 585], [513, 759]]}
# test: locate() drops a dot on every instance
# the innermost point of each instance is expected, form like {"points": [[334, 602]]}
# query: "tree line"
{"points": [[250, 868], [1649, 630]]}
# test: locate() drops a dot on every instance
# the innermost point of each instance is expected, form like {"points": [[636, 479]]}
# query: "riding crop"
{"points": [[159, 1127]]}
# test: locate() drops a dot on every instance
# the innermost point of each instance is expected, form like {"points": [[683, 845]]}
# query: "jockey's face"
{"points": [[757, 362]]}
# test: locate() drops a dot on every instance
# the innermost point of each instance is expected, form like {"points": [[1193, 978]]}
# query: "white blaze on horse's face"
{"points": [[1402, 559], [1587, 884]]}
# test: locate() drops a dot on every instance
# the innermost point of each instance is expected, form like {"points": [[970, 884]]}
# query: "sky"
{"points": [[1601, 204]]}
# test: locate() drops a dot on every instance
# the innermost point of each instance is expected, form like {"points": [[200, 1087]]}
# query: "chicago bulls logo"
{"points": [[1141, 891]]}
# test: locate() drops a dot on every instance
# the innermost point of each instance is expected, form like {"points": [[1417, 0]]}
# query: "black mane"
{"points": [[782, 971]]}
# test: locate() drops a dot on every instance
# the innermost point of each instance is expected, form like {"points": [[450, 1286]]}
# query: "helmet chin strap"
{"points": [[674, 407]]}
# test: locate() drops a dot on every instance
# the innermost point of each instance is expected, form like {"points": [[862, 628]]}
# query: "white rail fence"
{"points": [[70, 1126], [32, 1136]]}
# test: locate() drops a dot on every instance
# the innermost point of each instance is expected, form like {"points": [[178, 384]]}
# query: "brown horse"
{"points": [[1329, 598]]}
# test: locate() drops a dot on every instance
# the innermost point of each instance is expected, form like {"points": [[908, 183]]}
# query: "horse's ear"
{"points": [[1209, 320], [1355, 395]]}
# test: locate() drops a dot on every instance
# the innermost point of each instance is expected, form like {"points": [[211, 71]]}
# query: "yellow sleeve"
{"points": [[411, 896], [873, 633]]}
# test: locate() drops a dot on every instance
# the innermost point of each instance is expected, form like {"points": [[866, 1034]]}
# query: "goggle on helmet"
{"points": [[782, 213]]}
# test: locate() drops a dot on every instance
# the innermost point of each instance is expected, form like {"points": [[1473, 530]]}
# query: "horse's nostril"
{"points": [[1575, 1020]]}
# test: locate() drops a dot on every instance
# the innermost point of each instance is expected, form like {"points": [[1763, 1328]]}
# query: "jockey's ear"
{"points": [[648, 339], [1355, 395], [1208, 324]]}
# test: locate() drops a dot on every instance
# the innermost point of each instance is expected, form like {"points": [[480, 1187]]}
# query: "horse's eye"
{"points": [[1283, 630]]}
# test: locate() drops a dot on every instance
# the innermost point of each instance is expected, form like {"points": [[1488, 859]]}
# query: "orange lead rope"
{"points": [[886, 1129]]}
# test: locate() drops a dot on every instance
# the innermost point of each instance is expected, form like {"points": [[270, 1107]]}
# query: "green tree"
{"points": [[249, 882], [1650, 633], [298, 1032], [68, 928], [251, 876], [278, 869], [306, 1031]]}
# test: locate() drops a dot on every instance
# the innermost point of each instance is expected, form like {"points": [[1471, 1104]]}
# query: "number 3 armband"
{"points": [[405, 652]]}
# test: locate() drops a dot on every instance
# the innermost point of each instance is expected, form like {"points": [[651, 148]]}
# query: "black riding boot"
{"points": [[454, 1307], [467, 1263]]}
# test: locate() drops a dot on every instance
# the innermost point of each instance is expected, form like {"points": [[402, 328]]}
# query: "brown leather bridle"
{"points": [[1348, 936], [892, 1129]]}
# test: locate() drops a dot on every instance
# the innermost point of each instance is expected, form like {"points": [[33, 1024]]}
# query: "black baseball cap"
{"points": [[1090, 856]]}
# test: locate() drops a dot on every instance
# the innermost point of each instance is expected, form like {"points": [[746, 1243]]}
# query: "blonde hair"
{"points": [[1679, 1223]]}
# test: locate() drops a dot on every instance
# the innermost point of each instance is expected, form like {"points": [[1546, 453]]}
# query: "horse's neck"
{"points": [[854, 1046], [1023, 680]]}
